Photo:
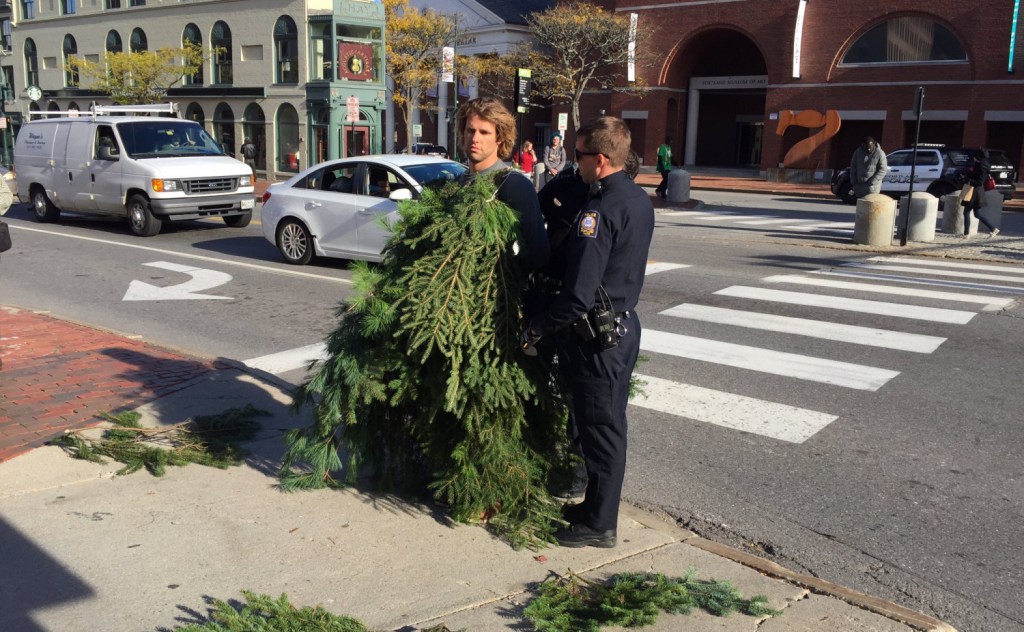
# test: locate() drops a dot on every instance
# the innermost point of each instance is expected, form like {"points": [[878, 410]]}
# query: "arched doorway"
{"points": [[224, 127], [254, 127], [726, 78]]}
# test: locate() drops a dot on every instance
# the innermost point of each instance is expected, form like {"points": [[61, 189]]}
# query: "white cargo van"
{"points": [[146, 169]]}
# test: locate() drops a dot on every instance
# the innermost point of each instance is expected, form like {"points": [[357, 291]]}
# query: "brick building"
{"points": [[731, 67]]}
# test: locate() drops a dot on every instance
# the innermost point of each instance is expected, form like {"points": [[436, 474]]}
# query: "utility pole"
{"points": [[454, 153]]}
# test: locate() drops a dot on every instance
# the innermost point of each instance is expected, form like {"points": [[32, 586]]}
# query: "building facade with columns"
{"points": [[280, 72], [727, 72]]}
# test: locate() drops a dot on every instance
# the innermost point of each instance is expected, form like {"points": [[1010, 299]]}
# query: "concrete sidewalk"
{"points": [[83, 549]]}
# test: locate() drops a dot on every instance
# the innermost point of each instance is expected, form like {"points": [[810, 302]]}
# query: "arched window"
{"points": [[114, 42], [220, 39], [31, 63], [906, 40], [224, 128], [287, 139], [53, 107], [254, 127], [286, 50], [138, 41], [194, 112], [192, 36], [70, 50]]}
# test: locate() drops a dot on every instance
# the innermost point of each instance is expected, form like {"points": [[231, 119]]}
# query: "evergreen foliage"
{"points": [[263, 613], [572, 604], [206, 439], [425, 381]]}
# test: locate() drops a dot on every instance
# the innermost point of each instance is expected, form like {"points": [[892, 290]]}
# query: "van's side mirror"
{"points": [[107, 153]]}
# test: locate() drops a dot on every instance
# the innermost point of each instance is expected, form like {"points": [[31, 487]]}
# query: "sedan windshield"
{"points": [[165, 138], [435, 174]]}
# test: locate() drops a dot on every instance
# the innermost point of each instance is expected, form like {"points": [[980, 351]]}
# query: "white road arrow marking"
{"points": [[202, 279]]}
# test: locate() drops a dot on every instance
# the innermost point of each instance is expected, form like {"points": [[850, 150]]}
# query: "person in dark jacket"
{"points": [[976, 175], [487, 131], [867, 168], [605, 259]]}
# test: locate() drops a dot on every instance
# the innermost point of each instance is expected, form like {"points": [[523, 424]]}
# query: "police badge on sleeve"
{"points": [[588, 224]]}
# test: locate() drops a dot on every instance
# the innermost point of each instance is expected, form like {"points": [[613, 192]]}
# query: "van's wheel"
{"points": [[42, 208], [238, 221], [140, 218], [295, 242]]}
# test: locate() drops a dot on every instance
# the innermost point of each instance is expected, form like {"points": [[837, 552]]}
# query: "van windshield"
{"points": [[165, 138]]}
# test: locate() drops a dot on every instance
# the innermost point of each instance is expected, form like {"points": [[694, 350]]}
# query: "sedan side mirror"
{"points": [[398, 195]]}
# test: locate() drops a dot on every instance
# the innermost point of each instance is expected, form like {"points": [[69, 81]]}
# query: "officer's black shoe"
{"points": [[579, 535]]}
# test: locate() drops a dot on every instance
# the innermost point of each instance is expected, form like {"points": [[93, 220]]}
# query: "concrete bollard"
{"points": [[678, 186], [874, 220], [991, 210], [952, 214], [924, 210]]}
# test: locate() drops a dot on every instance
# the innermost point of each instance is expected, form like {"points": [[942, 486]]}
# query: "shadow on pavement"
{"points": [[32, 581]]}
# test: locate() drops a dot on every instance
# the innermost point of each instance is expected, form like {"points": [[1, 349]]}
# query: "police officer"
{"points": [[593, 313]]}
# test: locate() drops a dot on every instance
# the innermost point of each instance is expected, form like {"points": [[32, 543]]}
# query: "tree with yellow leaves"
{"points": [[414, 42], [138, 77]]}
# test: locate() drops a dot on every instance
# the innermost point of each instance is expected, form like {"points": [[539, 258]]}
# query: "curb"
{"points": [[881, 607]]}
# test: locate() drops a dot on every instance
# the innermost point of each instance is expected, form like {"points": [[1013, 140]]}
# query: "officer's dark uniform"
{"points": [[607, 247]]}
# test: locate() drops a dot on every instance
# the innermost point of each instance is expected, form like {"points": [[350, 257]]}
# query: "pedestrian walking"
{"points": [[973, 195], [664, 166], [249, 154], [593, 316], [867, 168]]}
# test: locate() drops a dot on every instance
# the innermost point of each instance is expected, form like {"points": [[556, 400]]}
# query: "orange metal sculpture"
{"points": [[799, 156]]}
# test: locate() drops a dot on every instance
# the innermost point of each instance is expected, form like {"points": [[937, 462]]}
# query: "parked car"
{"points": [[939, 171], [332, 209], [428, 149]]}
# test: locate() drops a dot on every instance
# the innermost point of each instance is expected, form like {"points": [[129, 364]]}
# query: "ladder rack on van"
{"points": [[107, 110]]}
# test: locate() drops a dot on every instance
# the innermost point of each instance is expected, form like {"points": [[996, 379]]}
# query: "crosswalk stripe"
{"points": [[728, 216], [960, 265], [852, 334], [653, 267], [803, 367], [768, 419], [822, 226], [765, 222], [992, 301], [277, 363], [949, 273], [964, 285], [683, 214], [899, 310]]}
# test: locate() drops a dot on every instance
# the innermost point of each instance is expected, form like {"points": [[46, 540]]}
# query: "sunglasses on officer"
{"points": [[580, 154]]}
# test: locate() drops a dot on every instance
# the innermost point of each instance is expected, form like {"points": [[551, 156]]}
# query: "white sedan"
{"points": [[332, 209]]}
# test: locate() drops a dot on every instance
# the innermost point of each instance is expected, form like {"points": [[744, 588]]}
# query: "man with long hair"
{"points": [[487, 131]]}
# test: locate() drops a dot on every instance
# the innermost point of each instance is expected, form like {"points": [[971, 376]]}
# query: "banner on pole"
{"points": [[631, 64], [448, 64]]}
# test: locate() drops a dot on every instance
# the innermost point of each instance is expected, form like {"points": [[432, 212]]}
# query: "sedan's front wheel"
{"points": [[295, 242]]}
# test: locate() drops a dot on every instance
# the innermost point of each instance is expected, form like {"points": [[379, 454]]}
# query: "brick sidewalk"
{"points": [[56, 375]]}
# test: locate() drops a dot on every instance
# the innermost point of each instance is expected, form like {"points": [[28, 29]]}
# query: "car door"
{"points": [[380, 182], [330, 209], [897, 179], [104, 173]]}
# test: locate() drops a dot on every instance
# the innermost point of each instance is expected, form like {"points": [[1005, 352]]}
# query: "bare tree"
{"points": [[579, 46]]}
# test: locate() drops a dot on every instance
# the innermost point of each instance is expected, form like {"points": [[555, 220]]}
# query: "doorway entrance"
{"points": [[355, 140], [748, 143]]}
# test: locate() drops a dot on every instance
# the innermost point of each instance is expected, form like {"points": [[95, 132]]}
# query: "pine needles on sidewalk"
{"points": [[210, 440]]}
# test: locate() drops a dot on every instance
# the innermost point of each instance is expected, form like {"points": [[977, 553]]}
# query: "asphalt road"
{"points": [[888, 462]]}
